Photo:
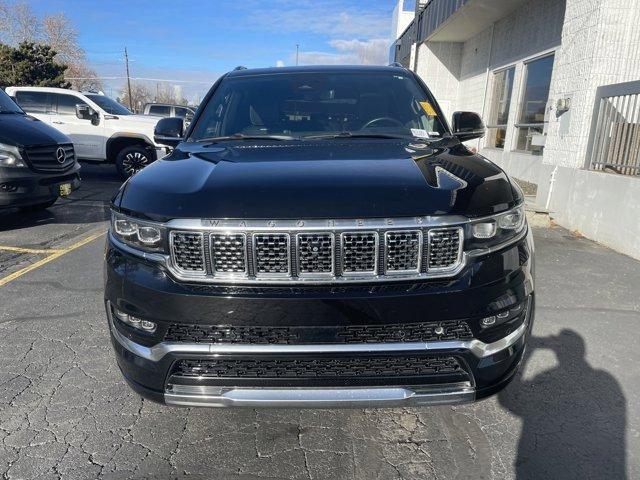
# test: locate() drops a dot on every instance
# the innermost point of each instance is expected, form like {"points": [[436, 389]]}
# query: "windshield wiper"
{"points": [[356, 135], [241, 136]]}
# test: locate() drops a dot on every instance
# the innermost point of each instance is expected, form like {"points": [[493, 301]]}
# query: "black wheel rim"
{"points": [[133, 162]]}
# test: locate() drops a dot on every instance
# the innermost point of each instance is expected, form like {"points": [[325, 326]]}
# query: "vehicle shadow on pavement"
{"points": [[574, 416]]}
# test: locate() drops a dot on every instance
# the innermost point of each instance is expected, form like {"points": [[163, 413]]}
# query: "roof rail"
{"points": [[397, 64], [240, 67]]}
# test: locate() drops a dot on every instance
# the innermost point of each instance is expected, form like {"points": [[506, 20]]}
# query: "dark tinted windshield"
{"points": [[7, 105], [109, 105], [301, 104]]}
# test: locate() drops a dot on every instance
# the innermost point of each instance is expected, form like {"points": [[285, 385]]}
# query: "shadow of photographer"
{"points": [[574, 416]]}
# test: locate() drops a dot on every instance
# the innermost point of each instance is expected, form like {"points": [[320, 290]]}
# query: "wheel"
{"points": [[131, 160], [39, 206]]}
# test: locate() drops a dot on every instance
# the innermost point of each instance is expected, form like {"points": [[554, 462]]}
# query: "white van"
{"points": [[100, 128]]}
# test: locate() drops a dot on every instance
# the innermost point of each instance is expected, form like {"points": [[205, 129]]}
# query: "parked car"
{"points": [[37, 162], [168, 110], [100, 128], [319, 237]]}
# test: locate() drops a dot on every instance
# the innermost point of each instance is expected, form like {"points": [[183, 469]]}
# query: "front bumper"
{"points": [[488, 359], [22, 187]]}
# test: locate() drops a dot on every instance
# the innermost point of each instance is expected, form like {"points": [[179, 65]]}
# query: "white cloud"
{"points": [[353, 52], [327, 17]]}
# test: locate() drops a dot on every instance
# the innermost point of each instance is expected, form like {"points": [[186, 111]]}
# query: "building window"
{"points": [[530, 126], [500, 103]]}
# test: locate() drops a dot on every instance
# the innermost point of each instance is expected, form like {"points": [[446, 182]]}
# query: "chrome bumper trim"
{"points": [[204, 396], [157, 352]]}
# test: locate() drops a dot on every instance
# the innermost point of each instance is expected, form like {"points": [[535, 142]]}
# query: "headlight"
{"points": [[10, 156], [497, 229], [139, 234]]}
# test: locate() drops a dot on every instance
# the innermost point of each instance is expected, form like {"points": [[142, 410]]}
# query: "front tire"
{"points": [[131, 160], [39, 206]]}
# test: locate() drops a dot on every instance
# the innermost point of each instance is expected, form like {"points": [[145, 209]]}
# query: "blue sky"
{"points": [[200, 39]]}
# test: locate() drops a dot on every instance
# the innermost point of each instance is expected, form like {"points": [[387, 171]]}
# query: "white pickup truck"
{"points": [[100, 128]]}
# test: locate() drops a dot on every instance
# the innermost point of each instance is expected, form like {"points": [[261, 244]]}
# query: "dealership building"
{"points": [[557, 83]]}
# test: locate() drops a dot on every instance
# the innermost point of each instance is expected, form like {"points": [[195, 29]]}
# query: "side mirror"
{"points": [[467, 126], [169, 131], [85, 112]]}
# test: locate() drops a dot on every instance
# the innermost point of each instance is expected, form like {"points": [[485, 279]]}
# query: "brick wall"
{"points": [[600, 46]]}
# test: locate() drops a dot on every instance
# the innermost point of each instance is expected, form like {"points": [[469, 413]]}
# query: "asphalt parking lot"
{"points": [[65, 412]]}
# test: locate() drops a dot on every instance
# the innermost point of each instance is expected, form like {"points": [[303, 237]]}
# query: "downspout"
{"points": [[486, 82], [552, 180]]}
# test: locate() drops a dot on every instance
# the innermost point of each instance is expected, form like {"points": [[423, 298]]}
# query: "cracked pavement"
{"points": [[66, 413]]}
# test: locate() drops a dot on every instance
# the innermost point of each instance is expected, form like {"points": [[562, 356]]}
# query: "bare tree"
{"points": [[59, 33], [18, 23], [140, 94], [172, 94]]}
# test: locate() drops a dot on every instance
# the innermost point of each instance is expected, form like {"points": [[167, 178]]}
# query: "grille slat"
{"points": [[315, 253], [402, 251], [444, 248], [271, 253], [229, 253], [187, 249], [359, 252], [344, 367]]}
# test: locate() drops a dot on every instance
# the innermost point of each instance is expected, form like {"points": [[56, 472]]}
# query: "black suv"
{"points": [[319, 237], [37, 162]]}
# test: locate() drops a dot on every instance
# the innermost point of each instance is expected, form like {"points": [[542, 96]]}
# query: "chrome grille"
{"points": [[187, 250], [271, 253], [402, 251], [229, 253], [315, 253], [43, 158], [445, 248], [359, 252]]}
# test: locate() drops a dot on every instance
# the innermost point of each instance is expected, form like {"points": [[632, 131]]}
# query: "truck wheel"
{"points": [[131, 160], [39, 206]]}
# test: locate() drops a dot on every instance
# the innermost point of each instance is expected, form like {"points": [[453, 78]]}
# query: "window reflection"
{"points": [[500, 104], [534, 102]]}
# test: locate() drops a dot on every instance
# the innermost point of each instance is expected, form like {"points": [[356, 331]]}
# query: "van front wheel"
{"points": [[131, 160]]}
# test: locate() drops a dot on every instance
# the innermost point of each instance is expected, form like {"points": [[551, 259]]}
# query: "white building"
{"points": [[550, 79]]}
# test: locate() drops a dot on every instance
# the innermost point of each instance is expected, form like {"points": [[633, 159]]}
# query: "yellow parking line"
{"points": [[57, 254], [30, 250]]}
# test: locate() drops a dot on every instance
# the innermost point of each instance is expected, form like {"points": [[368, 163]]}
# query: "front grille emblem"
{"points": [[61, 156]]}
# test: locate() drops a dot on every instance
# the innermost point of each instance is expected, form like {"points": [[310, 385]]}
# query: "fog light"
{"points": [[134, 322]]}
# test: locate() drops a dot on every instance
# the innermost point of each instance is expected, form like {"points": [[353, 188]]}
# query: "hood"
{"points": [[24, 131], [141, 119], [324, 179]]}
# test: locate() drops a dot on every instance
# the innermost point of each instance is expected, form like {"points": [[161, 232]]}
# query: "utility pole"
{"points": [[297, 53], [126, 59]]}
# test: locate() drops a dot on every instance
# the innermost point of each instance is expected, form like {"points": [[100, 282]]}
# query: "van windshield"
{"points": [[7, 105], [319, 104]]}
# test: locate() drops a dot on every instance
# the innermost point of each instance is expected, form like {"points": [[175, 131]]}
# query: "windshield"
{"points": [[7, 105], [109, 105], [323, 104]]}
